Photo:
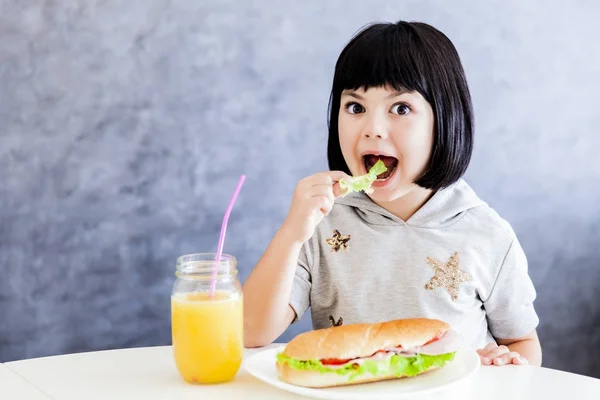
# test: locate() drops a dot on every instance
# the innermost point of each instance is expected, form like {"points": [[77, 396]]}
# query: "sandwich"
{"points": [[360, 353]]}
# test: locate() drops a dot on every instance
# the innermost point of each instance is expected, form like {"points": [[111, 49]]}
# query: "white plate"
{"points": [[465, 363]]}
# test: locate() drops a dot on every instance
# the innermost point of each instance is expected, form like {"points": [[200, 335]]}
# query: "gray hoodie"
{"points": [[455, 260]]}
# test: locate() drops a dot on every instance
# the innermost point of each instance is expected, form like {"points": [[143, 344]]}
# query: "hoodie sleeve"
{"points": [[509, 308], [300, 296]]}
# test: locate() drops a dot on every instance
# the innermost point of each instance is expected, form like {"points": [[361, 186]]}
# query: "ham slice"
{"points": [[448, 343], [379, 356]]}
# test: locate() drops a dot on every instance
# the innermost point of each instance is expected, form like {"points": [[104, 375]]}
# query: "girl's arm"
{"points": [[267, 291], [527, 346], [267, 312], [510, 312]]}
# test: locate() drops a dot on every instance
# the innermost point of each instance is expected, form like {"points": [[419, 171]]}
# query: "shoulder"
{"points": [[487, 219], [485, 229], [484, 219]]}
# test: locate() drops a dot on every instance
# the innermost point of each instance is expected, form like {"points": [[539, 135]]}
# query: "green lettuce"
{"points": [[363, 182], [398, 365]]}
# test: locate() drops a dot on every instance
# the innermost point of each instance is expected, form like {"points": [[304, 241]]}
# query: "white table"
{"points": [[13, 386], [149, 373]]}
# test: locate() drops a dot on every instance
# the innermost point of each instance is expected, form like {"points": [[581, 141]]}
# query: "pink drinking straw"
{"points": [[213, 283]]}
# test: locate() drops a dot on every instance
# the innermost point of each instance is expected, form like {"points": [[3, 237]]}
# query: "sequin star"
{"points": [[338, 241], [447, 275], [339, 322]]}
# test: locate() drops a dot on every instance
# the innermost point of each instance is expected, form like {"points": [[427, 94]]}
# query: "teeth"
{"points": [[389, 176]]}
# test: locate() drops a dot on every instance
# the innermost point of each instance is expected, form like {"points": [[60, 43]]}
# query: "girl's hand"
{"points": [[313, 199], [492, 354]]}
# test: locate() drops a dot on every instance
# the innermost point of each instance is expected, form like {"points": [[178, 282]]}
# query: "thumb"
{"points": [[336, 177], [338, 191]]}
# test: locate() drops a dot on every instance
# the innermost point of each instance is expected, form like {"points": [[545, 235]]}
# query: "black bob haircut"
{"points": [[410, 56]]}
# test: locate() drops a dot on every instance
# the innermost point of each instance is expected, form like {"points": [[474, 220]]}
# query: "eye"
{"points": [[354, 108], [400, 109]]}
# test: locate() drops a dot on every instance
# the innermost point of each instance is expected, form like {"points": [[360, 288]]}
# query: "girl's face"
{"points": [[396, 127]]}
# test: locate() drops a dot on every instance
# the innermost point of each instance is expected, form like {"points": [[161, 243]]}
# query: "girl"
{"points": [[421, 244]]}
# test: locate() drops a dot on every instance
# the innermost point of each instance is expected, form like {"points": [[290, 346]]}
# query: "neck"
{"points": [[407, 205]]}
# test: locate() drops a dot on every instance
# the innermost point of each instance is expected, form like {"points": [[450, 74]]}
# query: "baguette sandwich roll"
{"points": [[360, 353]]}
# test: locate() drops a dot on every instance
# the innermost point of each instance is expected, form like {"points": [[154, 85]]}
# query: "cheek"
{"points": [[347, 141], [416, 150]]}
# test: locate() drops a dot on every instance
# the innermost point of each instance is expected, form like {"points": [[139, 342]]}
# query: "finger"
{"points": [[337, 190], [321, 190], [335, 176], [326, 178], [321, 203], [324, 191], [305, 185], [497, 352], [519, 360], [487, 349], [485, 360], [323, 178], [307, 189], [505, 358], [327, 208]]}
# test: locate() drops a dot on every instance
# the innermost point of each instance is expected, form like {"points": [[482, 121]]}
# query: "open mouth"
{"points": [[390, 163]]}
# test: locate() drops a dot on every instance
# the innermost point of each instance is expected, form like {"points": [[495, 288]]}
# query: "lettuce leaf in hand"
{"points": [[363, 182]]}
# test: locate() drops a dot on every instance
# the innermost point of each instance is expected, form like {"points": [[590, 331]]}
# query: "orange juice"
{"points": [[208, 338]]}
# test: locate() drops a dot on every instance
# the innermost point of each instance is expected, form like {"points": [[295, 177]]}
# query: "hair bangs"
{"points": [[383, 56]]}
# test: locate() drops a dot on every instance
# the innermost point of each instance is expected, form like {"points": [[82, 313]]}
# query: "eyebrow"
{"points": [[359, 97]]}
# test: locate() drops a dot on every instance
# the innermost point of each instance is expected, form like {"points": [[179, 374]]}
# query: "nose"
{"points": [[377, 126]]}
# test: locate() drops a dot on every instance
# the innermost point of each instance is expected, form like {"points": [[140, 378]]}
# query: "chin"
{"points": [[390, 194], [393, 187]]}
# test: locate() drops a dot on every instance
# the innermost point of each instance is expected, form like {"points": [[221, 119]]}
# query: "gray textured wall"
{"points": [[125, 124]]}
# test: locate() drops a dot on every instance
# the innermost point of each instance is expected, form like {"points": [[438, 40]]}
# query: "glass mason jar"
{"points": [[207, 321]]}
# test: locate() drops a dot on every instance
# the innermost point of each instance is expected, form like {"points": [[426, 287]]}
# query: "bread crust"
{"points": [[363, 340]]}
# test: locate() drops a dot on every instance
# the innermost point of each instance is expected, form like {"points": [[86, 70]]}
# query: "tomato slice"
{"points": [[434, 339], [334, 361]]}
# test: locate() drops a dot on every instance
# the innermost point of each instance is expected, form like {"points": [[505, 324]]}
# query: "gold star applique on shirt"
{"points": [[339, 322], [338, 241], [447, 275]]}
